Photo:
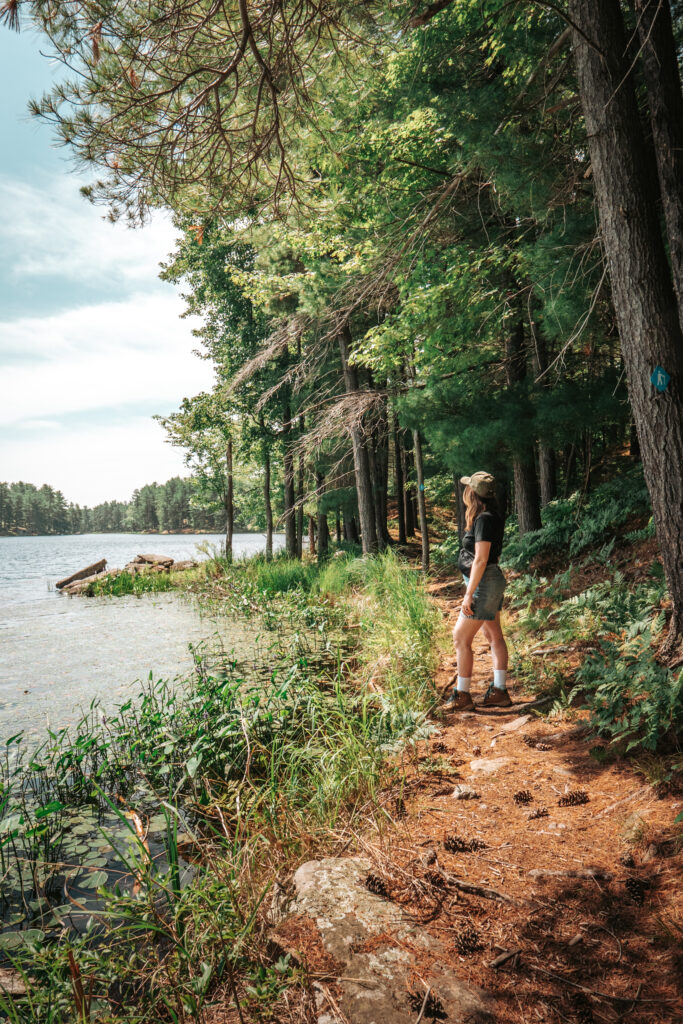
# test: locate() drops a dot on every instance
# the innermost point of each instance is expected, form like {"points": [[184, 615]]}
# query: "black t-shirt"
{"points": [[487, 526]]}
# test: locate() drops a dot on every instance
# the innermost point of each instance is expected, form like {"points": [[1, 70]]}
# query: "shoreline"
{"points": [[139, 533], [338, 752]]}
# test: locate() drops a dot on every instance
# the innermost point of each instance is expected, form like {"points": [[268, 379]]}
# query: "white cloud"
{"points": [[112, 354], [54, 231], [95, 465], [100, 364]]}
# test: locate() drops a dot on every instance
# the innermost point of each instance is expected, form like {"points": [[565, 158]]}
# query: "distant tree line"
{"points": [[179, 504]]}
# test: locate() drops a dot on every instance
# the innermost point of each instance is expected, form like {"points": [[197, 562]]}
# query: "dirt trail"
{"points": [[592, 891]]}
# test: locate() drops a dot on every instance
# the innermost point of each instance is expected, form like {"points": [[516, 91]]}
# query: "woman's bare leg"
{"points": [[499, 649], [463, 635]]}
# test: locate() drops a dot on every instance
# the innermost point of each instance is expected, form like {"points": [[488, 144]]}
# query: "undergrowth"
{"points": [[616, 626], [202, 792], [572, 526]]}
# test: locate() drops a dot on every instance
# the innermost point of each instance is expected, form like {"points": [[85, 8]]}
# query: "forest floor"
{"points": [[590, 893]]}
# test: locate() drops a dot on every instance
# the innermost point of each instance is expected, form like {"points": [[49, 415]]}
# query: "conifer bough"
{"points": [[182, 102]]}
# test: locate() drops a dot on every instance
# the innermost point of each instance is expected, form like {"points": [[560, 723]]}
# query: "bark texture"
{"points": [[546, 473], [459, 490], [229, 503], [266, 501], [361, 463], [400, 485], [665, 100], [323, 532], [289, 497], [527, 500], [421, 501], [642, 287], [300, 497]]}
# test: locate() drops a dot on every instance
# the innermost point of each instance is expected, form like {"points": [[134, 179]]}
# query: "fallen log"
{"points": [[80, 585], [90, 570]]}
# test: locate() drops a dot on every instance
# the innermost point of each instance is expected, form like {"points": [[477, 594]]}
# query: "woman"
{"points": [[478, 561]]}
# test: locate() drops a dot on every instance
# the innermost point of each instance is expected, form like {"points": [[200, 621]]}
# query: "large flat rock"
{"points": [[377, 954]]}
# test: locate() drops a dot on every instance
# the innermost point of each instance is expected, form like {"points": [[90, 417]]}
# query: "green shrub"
{"points": [[132, 583], [631, 697], [572, 527]]}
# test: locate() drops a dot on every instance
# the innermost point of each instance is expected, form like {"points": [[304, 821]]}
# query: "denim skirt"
{"points": [[488, 597]]}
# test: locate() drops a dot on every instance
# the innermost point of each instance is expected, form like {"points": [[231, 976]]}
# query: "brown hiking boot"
{"points": [[496, 698], [459, 700]]}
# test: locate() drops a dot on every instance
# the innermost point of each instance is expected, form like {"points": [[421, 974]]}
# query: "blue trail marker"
{"points": [[660, 378]]}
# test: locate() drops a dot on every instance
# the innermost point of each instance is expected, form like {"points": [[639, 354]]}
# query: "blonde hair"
{"points": [[474, 506]]}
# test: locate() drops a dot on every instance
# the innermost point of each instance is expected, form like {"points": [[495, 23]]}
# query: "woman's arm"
{"points": [[481, 557]]}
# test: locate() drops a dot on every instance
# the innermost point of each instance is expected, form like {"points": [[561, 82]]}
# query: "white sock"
{"points": [[464, 684], [499, 678]]}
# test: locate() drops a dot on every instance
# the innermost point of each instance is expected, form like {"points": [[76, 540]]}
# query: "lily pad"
{"points": [[94, 879], [12, 940]]}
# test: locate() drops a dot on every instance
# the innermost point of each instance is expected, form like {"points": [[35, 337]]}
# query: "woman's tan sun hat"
{"points": [[481, 483]]}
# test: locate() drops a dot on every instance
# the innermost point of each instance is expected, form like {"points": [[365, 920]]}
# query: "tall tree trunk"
{"points": [[546, 455], [409, 496], [353, 530], [527, 502], [229, 504], [311, 535], [289, 498], [323, 531], [361, 463], [337, 523], [568, 467], [642, 288], [267, 502], [421, 502], [372, 462], [459, 490], [300, 500], [665, 99], [546, 473], [400, 488], [382, 459]]}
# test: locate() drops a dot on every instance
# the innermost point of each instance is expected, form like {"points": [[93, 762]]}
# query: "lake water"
{"points": [[58, 653]]}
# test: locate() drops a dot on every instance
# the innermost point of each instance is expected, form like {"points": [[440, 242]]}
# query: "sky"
{"points": [[91, 341]]}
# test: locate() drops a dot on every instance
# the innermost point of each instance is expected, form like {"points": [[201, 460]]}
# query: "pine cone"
{"points": [[400, 807], [543, 746], [540, 812], [376, 884], [433, 1007], [573, 799], [522, 796], [454, 844], [435, 878], [529, 740], [467, 941], [636, 888]]}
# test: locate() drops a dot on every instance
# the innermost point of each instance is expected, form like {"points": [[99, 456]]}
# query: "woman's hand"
{"points": [[466, 607]]}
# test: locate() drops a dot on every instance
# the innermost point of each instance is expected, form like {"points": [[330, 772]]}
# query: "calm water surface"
{"points": [[58, 653]]}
